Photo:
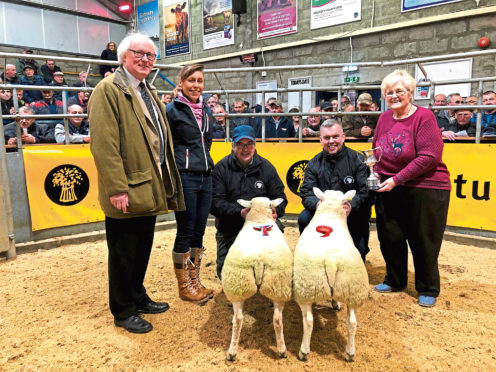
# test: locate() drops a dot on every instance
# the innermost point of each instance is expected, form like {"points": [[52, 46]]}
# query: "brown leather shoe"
{"points": [[194, 272], [187, 291]]}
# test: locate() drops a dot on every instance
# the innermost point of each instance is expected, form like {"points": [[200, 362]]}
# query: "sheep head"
{"points": [[333, 200], [260, 207]]}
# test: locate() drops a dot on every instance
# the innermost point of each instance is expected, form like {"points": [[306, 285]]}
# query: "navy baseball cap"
{"points": [[243, 131]]}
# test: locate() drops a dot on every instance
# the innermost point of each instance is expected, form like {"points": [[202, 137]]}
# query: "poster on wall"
{"points": [[327, 13], [176, 29], [443, 71], [148, 22], [218, 23], [276, 18], [407, 5]]}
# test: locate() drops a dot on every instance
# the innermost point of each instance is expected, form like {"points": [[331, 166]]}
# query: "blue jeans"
{"points": [[197, 189]]}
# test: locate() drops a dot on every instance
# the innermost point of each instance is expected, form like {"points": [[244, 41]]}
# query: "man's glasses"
{"points": [[457, 102], [140, 54], [76, 113], [243, 146], [398, 93], [471, 101]]}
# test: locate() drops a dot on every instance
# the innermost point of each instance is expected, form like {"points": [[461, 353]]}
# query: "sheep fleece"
{"points": [[255, 261], [325, 266]]}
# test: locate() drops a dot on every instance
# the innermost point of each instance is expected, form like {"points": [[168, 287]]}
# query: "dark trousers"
{"points": [[224, 242], [418, 217], [358, 224], [129, 242], [191, 223]]}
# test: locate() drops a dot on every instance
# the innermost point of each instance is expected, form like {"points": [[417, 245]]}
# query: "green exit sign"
{"points": [[352, 79]]}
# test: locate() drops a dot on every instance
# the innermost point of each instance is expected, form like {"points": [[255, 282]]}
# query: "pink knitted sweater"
{"points": [[412, 150]]}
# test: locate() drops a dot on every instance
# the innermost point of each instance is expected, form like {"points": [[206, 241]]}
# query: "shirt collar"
{"points": [[134, 82]]}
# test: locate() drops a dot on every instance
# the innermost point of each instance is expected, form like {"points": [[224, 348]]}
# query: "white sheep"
{"points": [[259, 259], [328, 266]]}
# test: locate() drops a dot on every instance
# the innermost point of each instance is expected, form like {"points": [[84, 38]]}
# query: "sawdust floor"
{"points": [[54, 316]]}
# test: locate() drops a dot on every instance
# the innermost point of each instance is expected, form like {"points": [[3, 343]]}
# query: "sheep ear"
{"points": [[276, 202], [318, 193], [350, 194], [244, 203]]}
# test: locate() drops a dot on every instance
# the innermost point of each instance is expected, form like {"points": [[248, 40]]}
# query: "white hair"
{"points": [[128, 40]]}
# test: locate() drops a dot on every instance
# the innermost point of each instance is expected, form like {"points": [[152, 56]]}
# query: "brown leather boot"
{"points": [[187, 291], [194, 271]]}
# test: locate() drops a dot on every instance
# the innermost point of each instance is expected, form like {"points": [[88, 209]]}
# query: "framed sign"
{"points": [[408, 5], [442, 71]]}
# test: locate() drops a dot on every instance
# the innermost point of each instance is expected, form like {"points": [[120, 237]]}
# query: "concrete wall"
{"points": [[384, 35]]}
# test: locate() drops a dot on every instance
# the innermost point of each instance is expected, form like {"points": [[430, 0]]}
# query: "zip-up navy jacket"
{"points": [[285, 128], [191, 145]]}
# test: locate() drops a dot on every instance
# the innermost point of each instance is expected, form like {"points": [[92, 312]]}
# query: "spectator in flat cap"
{"points": [[360, 126], [59, 81], [277, 126], [30, 78], [26, 61]]}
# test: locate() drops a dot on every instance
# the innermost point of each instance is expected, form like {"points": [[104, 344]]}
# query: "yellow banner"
{"points": [[62, 186], [62, 182]]}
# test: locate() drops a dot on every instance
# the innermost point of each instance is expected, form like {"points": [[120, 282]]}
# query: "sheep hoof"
{"points": [[350, 358], [302, 356], [283, 355], [230, 357]]}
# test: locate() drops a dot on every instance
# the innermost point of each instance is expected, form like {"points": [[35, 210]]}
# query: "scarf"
{"points": [[197, 108]]}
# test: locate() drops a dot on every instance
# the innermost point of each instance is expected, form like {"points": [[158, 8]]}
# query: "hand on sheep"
{"points": [[387, 185], [244, 212], [274, 213], [347, 208]]}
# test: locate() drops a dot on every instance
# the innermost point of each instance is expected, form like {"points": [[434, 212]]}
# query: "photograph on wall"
{"points": [[218, 23], [176, 27], [149, 22], [407, 5], [327, 13], [276, 18]]}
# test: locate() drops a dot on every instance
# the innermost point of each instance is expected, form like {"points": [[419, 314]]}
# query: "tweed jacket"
{"points": [[126, 148]]}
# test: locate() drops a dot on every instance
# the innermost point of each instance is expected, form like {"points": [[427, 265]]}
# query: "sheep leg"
{"points": [[306, 311], [278, 328], [351, 323], [237, 323]]}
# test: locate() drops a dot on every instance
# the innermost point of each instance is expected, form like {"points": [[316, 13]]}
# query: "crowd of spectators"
{"points": [[277, 126], [27, 71], [453, 123]]}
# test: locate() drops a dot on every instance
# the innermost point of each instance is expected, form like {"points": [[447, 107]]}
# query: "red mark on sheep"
{"points": [[264, 229], [325, 230]]}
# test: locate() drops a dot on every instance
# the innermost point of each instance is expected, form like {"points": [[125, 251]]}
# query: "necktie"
{"points": [[148, 103]]}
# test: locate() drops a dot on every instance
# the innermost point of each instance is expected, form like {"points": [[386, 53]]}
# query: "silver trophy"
{"points": [[371, 158]]}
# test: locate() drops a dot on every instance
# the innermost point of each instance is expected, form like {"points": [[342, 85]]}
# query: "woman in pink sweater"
{"points": [[413, 197]]}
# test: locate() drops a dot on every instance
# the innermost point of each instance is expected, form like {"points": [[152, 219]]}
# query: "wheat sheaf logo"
{"points": [[67, 184], [296, 175]]}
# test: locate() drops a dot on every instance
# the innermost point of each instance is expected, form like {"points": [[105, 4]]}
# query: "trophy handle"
{"points": [[378, 150]]}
